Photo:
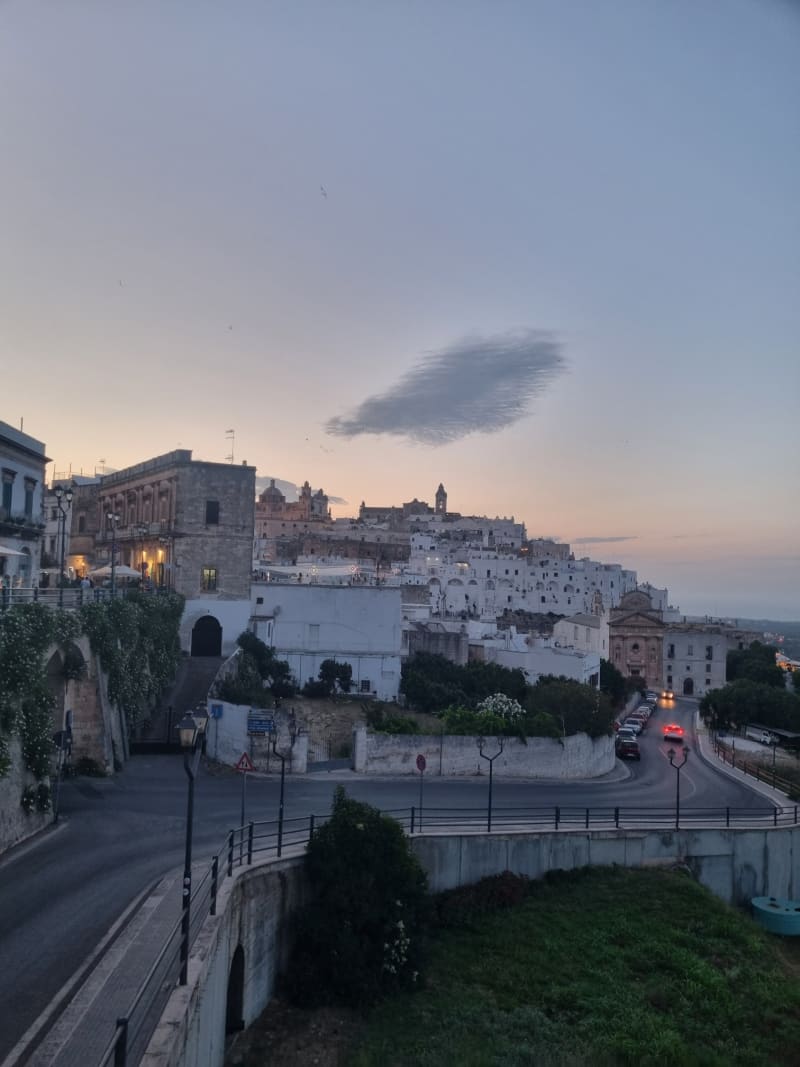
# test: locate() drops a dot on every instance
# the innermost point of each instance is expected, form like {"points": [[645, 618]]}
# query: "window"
{"points": [[708, 668], [635, 646], [709, 652], [212, 513], [690, 650], [208, 579], [670, 652], [30, 485], [8, 487], [81, 524], [669, 681], [52, 549], [53, 514], [365, 685]]}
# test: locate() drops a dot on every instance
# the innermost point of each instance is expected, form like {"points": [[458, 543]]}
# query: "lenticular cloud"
{"points": [[478, 385]]}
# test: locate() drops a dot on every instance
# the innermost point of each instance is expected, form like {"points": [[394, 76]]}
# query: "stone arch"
{"points": [[688, 687], [207, 637], [455, 581], [56, 686], [234, 1011]]}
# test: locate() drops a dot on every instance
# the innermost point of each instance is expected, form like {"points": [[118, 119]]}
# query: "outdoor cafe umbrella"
{"points": [[120, 571], [5, 551]]}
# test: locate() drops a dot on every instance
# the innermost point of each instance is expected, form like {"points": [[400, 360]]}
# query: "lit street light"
{"points": [[62, 497], [678, 767]]}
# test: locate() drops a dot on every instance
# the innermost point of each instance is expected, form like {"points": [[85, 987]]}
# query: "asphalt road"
{"points": [[60, 894]]}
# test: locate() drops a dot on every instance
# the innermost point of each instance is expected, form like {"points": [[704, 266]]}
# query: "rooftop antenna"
{"points": [[230, 435]]}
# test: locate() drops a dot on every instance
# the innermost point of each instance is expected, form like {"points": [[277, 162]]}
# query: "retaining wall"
{"points": [[574, 757], [255, 905]]}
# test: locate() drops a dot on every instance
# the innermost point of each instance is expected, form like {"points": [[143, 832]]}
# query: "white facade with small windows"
{"points": [[359, 625], [475, 582], [22, 473], [584, 633], [694, 658]]}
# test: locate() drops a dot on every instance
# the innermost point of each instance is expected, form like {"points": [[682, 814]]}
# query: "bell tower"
{"points": [[441, 501]]}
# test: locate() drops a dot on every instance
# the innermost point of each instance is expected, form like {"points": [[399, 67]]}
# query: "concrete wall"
{"points": [[227, 738], [577, 756], [254, 908]]}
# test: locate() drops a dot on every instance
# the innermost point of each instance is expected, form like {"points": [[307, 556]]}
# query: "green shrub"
{"points": [[361, 934], [89, 768], [468, 904]]}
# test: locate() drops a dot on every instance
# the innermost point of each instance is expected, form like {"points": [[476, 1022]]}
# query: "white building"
{"points": [[359, 625], [470, 581], [22, 469], [537, 656], [584, 633]]}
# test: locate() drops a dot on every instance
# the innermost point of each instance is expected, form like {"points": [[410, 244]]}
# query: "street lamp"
{"points": [[190, 729], [282, 758], [113, 520], [677, 767], [490, 760], [62, 497]]}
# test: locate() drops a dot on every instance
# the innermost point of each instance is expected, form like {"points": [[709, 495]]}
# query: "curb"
{"points": [[760, 788]]}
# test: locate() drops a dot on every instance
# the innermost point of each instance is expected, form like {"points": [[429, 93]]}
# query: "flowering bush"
{"points": [[501, 705], [360, 936]]}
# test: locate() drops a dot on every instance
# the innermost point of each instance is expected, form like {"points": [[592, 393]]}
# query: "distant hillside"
{"points": [[789, 630]]}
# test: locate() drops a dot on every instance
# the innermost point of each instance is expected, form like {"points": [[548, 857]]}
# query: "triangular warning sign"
{"points": [[245, 763]]}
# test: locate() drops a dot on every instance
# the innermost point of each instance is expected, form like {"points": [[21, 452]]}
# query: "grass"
{"points": [[596, 967]]}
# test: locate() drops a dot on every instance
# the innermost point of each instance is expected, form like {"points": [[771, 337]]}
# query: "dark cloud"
{"points": [[477, 385], [601, 540]]}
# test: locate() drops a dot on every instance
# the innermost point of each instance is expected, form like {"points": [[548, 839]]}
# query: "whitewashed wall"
{"points": [[574, 757], [227, 738]]}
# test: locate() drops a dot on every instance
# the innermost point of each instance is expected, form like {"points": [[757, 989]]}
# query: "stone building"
{"points": [[636, 636], [281, 525], [22, 470], [184, 525]]}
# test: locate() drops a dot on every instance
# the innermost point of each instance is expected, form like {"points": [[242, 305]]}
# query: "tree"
{"points": [[755, 664], [258, 672], [744, 701], [335, 676], [361, 933], [577, 708], [612, 683]]}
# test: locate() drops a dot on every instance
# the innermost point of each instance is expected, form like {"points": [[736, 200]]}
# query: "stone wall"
{"points": [[255, 907], [572, 757], [15, 824]]}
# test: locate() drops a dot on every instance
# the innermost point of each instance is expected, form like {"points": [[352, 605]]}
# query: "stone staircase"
{"points": [[190, 688]]}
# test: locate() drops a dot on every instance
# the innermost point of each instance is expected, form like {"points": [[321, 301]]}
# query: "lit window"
{"points": [[208, 579]]}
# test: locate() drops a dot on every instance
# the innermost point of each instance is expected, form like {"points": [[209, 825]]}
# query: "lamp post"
{"points": [[490, 760], [282, 758], [191, 729], [63, 497], [113, 520], [678, 767]]}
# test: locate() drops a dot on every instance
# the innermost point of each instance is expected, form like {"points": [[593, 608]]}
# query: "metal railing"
{"points": [[768, 775], [70, 598], [260, 840]]}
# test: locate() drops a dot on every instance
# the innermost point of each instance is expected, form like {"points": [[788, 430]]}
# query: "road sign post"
{"points": [[244, 765], [421, 765]]}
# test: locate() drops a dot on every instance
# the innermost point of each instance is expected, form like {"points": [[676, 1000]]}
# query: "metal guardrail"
{"points": [[258, 840], [71, 597]]}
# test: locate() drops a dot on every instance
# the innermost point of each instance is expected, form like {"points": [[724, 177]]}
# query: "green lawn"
{"points": [[597, 967]]}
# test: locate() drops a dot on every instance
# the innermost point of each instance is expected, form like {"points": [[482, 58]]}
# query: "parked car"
{"points": [[651, 696], [635, 725], [644, 709], [673, 732], [625, 733], [628, 748]]}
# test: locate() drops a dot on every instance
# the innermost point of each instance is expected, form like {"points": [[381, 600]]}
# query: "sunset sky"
{"points": [[544, 251]]}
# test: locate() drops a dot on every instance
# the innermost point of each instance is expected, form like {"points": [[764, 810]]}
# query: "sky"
{"points": [[546, 252]]}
